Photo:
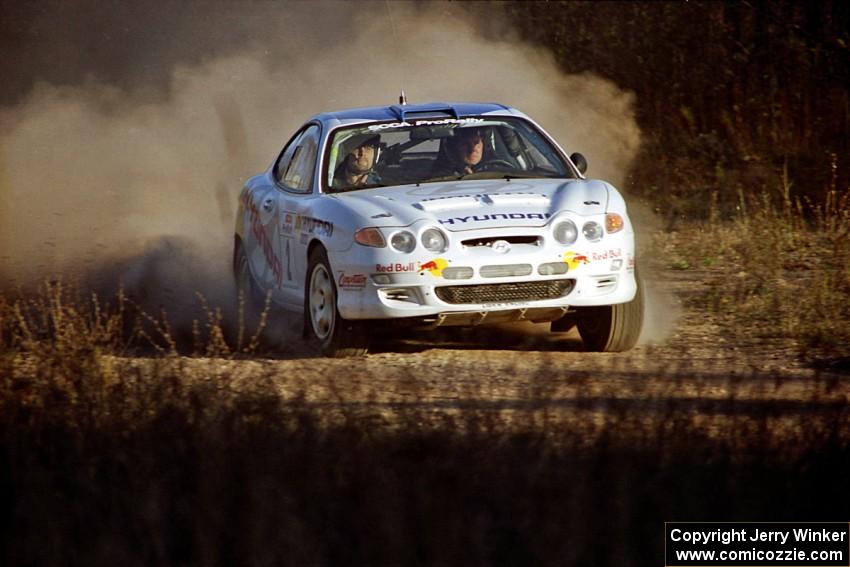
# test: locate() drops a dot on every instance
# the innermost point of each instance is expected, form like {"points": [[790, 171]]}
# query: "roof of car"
{"points": [[399, 112]]}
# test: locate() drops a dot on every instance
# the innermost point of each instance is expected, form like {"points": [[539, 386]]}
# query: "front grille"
{"points": [[505, 292], [488, 241]]}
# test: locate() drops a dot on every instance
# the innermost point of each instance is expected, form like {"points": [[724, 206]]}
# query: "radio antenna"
{"points": [[402, 99]]}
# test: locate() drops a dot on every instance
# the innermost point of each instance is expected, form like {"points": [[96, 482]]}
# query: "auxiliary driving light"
{"points": [[403, 241], [552, 268], [592, 231], [565, 232], [434, 240]]}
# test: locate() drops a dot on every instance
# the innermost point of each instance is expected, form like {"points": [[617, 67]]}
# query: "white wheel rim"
{"points": [[322, 305]]}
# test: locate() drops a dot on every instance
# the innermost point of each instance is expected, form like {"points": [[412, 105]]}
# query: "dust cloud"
{"points": [[107, 179]]}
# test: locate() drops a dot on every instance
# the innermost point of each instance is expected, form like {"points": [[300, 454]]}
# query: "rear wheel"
{"points": [[612, 328], [248, 294], [252, 305], [336, 337]]}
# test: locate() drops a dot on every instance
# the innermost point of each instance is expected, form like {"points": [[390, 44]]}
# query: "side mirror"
{"points": [[579, 162]]}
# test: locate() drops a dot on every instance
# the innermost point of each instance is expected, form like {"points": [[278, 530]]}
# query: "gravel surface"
{"points": [[685, 370]]}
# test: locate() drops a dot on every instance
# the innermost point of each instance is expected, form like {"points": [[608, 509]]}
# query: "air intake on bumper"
{"points": [[506, 292]]}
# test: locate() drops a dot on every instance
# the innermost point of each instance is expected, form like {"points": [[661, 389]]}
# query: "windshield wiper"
{"points": [[489, 175]]}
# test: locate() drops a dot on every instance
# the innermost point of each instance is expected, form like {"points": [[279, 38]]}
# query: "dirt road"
{"points": [[688, 372]]}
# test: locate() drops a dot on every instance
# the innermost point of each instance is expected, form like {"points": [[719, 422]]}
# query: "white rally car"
{"points": [[436, 214]]}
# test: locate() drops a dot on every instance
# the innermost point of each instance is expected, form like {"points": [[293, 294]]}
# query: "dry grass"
{"points": [[778, 269], [108, 462]]}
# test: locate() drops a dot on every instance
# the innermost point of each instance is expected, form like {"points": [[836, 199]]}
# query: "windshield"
{"points": [[421, 151]]}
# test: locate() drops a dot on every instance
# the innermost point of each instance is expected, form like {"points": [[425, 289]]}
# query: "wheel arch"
{"points": [[313, 245]]}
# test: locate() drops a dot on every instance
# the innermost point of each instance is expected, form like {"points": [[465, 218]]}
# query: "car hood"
{"points": [[468, 205]]}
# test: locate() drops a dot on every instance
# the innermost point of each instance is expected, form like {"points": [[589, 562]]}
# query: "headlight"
{"points": [[613, 223], [565, 232], [592, 231], [370, 237], [403, 241], [433, 240]]}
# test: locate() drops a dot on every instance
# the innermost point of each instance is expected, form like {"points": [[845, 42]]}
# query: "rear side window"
{"points": [[286, 157], [294, 170]]}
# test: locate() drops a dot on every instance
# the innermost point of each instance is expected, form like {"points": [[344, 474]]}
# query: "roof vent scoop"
{"points": [[402, 98]]}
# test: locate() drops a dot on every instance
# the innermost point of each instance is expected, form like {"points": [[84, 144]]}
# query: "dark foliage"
{"points": [[732, 96]]}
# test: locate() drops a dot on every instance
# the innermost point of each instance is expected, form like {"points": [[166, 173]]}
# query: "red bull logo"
{"points": [[435, 266], [608, 254], [574, 259], [395, 268]]}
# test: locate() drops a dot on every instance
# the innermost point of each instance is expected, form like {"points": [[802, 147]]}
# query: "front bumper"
{"points": [[471, 285]]}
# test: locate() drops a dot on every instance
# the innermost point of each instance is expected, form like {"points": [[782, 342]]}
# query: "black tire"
{"points": [[248, 293], [337, 337], [565, 324], [612, 328]]}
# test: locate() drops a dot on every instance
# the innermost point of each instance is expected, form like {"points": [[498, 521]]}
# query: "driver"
{"points": [[356, 169], [463, 153]]}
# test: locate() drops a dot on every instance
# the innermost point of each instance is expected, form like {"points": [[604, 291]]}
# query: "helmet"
{"points": [[464, 133], [354, 142]]}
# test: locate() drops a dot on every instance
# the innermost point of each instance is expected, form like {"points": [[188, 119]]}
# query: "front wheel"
{"points": [[612, 328], [336, 337]]}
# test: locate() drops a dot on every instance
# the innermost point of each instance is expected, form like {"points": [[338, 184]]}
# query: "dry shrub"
{"points": [[779, 269], [173, 469]]}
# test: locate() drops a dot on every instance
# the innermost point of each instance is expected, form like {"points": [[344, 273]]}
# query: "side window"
{"points": [[286, 157], [298, 173]]}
